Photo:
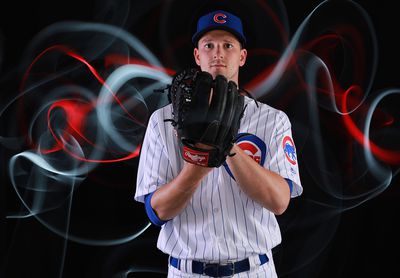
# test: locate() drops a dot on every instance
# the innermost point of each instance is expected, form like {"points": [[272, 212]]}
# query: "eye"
{"points": [[208, 45], [228, 45]]}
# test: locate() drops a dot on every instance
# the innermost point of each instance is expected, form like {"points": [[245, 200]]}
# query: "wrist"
{"points": [[233, 152], [194, 172]]}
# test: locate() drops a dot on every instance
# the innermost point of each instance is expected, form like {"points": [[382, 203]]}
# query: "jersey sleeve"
{"points": [[154, 167], [283, 155]]}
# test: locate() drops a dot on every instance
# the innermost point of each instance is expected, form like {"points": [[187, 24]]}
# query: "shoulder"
{"points": [[160, 114], [264, 109]]}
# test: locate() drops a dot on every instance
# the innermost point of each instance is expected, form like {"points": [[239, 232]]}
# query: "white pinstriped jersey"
{"points": [[220, 222]]}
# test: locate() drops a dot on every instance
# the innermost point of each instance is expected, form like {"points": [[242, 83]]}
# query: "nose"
{"points": [[218, 53]]}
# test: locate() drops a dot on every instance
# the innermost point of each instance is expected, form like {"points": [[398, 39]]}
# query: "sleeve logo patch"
{"points": [[289, 149], [253, 146], [251, 150]]}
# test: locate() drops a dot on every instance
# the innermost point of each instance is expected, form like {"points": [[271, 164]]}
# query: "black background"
{"points": [[366, 239]]}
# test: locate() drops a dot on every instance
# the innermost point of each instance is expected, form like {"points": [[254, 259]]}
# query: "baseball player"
{"points": [[220, 221]]}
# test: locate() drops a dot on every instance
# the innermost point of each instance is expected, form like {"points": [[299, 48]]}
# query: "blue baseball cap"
{"points": [[219, 20]]}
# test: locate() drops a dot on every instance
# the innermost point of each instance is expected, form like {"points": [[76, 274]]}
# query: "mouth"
{"points": [[218, 66]]}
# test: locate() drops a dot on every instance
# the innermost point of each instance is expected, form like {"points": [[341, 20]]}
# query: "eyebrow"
{"points": [[210, 40]]}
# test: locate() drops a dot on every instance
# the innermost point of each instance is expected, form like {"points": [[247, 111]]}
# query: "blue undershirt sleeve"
{"points": [[150, 212], [290, 183]]}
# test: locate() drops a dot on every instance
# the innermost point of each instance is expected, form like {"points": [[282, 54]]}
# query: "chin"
{"points": [[218, 72]]}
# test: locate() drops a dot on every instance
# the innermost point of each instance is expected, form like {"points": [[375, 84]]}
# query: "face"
{"points": [[219, 52]]}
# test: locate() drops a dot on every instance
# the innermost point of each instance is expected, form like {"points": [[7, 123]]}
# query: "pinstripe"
{"points": [[285, 164], [152, 161], [268, 234], [255, 223], [179, 229], [147, 150], [145, 162], [213, 218], [167, 170], [262, 225], [195, 229], [158, 167], [187, 225], [167, 226], [245, 222], [264, 134], [247, 228], [277, 144], [202, 212], [223, 221], [234, 209], [258, 119]]}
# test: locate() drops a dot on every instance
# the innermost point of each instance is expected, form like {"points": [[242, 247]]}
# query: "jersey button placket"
{"points": [[217, 208]]}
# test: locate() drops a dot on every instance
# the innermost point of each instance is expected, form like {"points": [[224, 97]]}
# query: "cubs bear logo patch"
{"points": [[289, 149]]}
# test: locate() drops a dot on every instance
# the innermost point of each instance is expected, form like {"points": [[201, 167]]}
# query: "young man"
{"points": [[220, 221]]}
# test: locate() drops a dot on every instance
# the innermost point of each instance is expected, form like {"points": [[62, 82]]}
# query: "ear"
{"points": [[196, 56], [243, 56]]}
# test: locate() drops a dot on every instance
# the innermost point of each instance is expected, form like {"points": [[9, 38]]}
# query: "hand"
{"points": [[203, 146]]}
